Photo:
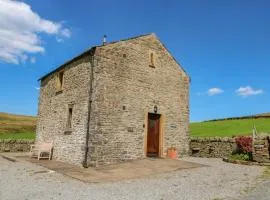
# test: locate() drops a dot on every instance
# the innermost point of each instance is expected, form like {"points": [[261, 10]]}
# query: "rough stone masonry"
{"points": [[104, 95]]}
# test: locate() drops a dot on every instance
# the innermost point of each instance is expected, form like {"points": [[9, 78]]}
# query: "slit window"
{"points": [[152, 59], [69, 120], [60, 80]]}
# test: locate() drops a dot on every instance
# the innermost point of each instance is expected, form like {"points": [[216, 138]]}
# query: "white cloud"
{"points": [[33, 60], [23, 58], [66, 32], [20, 27], [214, 91], [37, 88], [248, 91], [60, 40]]}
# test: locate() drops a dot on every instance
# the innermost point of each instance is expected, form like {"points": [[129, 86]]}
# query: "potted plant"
{"points": [[172, 153]]}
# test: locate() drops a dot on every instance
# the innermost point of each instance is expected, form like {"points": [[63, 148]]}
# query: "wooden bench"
{"points": [[42, 150]]}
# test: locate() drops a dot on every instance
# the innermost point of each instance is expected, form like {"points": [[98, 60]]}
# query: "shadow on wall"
{"points": [[268, 140]]}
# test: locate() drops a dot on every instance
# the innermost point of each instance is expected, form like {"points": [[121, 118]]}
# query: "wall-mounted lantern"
{"points": [[155, 109]]}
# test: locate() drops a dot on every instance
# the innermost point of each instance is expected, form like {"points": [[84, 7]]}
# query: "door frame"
{"points": [[161, 134]]}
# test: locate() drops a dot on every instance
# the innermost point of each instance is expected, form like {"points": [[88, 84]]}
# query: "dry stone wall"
{"points": [[262, 149], [15, 145], [219, 147], [214, 147]]}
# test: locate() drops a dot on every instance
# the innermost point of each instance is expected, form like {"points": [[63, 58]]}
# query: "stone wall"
{"points": [[215, 147], [262, 149], [69, 145], [15, 145], [127, 88], [219, 147]]}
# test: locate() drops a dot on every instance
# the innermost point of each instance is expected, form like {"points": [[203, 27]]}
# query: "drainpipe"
{"points": [[85, 165]]}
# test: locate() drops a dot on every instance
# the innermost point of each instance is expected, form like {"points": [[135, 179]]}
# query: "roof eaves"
{"points": [[67, 62]]}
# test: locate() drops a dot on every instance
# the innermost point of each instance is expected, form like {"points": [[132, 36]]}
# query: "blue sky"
{"points": [[223, 45]]}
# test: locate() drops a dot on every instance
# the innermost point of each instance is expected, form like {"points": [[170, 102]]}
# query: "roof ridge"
{"points": [[89, 49], [129, 38]]}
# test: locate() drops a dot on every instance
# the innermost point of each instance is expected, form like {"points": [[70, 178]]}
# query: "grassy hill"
{"points": [[23, 127], [262, 115], [17, 126], [231, 126]]}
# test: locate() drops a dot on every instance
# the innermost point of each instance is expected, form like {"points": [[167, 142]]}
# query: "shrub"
{"points": [[240, 157], [244, 144]]}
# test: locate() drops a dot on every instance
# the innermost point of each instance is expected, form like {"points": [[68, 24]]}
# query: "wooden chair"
{"points": [[42, 150]]}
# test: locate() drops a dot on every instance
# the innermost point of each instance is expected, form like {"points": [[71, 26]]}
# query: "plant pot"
{"points": [[172, 153]]}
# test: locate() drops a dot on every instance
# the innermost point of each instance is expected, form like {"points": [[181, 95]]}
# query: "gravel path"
{"points": [[219, 180], [261, 192]]}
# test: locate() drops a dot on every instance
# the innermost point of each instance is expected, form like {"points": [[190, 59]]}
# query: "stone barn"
{"points": [[115, 102]]}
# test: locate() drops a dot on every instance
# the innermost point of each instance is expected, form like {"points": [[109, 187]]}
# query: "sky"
{"points": [[224, 46]]}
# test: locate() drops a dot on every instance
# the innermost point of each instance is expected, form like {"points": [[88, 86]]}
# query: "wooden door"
{"points": [[153, 135]]}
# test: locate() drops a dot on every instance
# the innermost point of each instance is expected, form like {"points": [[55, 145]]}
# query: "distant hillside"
{"points": [[262, 115], [17, 126]]}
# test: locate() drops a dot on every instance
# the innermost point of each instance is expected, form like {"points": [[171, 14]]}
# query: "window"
{"points": [[152, 60], [69, 119], [60, 80]]}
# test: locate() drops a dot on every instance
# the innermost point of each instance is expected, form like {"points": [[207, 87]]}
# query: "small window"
{"points": [[69, 119], [152, 60], [60, 80]]}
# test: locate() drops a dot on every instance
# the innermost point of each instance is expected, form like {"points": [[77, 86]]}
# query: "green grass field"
{"points": [[17, 126], [229, 127], [23, 127]]}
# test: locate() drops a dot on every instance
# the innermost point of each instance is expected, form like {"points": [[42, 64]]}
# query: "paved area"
{"points": [[116, 172], [214, 180]]}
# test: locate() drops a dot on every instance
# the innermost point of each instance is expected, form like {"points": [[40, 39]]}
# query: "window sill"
{"points": [[68, 132], [58, 92]]}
